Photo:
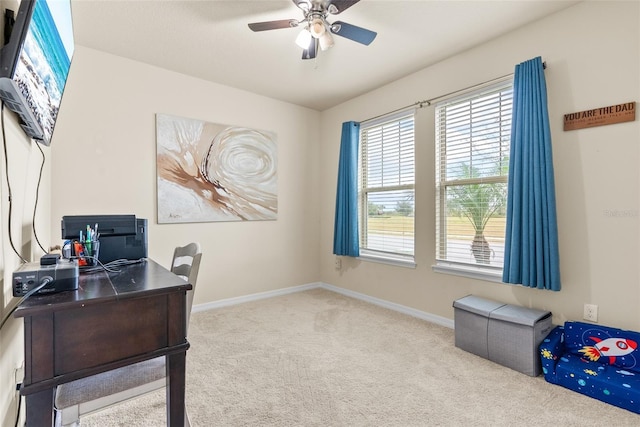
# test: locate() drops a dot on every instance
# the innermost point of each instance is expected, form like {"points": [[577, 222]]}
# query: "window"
{"points": [[472, 164], [387, 180]]}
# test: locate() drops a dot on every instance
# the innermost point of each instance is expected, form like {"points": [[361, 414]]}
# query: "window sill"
{"points": [[470, 272], [389, 259]]}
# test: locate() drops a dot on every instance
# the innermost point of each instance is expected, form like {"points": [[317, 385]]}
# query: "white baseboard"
{"points": [[252, 297], [438, 320]]}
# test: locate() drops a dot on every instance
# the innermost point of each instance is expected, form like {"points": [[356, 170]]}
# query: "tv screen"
{"points": [[34, 64]]}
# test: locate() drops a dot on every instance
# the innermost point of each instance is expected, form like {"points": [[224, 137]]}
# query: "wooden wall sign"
{"points": [[600, 116]]}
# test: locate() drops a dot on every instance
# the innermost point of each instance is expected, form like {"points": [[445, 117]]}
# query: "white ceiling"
{"points": [[209, 39]]}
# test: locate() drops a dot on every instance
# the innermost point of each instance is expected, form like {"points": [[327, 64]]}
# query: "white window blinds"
{"points": [[387, 179], [473, 134]]}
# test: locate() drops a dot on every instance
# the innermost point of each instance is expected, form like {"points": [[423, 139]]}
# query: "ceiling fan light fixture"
{"points": [[304, 39], [317, 33], [305, 5], [326, 41], [317, 27]]}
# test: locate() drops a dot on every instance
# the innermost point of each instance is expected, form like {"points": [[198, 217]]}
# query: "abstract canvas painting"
{"points": [[213, 172]]}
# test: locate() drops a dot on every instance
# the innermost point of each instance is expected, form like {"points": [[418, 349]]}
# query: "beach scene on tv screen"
{"points": [[41, 71]]}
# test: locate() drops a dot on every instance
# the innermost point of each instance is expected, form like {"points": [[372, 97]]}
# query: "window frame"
{"points": [[449, 266], [366, 253]]}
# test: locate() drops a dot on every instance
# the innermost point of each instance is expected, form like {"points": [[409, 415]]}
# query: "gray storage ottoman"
{"points": [[471, 320], [514, 336], [503, 333]]}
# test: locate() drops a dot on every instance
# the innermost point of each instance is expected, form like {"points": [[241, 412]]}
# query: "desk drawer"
{"points": [[96, 334]]}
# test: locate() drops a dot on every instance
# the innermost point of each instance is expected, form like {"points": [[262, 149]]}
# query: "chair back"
{"points": [[186, 264]]}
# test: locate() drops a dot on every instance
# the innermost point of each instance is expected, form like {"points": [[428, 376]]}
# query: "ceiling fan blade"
{"points": [[352, 32], [273, 25], [312, 50], [340, 6]]}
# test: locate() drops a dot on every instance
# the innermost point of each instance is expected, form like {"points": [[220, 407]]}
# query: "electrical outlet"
{"points": [[19, 373], [338, 263], [590, 312]]}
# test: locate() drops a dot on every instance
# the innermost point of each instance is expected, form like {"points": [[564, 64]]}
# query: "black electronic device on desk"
{"points": [[35, 277], [120, 236]]}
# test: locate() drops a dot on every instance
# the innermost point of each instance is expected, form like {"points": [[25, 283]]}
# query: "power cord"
{"points": [[42, 284], [7, 316], [35, 205], [18, 387], [110, 266], [93, 269], [6, 170]]}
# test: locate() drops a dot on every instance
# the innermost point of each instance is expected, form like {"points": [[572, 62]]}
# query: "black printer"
{"points": [[120, 236]]}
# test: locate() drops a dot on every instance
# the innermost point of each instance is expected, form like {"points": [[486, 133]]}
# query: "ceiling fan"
{"points": [[317, 30]]}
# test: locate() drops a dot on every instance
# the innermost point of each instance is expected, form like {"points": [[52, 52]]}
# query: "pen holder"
{"points": [[92, 248], [87, 252]]}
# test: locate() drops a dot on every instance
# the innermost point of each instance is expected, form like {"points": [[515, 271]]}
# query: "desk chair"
{"points": [[99, 391]]}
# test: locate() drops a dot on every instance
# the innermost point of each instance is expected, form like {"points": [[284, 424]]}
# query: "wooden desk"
{"points": [[112, 320]]}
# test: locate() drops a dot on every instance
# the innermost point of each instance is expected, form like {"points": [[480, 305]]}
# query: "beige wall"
{"points": [[104, 158], [592, 52]]}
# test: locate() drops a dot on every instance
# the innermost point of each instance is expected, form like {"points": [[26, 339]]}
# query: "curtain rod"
{"points": [[427, 102]]}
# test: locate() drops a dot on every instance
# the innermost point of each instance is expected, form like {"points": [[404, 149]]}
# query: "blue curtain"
{"points": [[531, 246], [345, 233]]}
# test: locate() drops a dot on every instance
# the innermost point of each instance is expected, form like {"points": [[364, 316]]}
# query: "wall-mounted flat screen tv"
{"points": [[35, 62]]}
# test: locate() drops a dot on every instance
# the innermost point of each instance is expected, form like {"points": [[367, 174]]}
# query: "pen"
{"points": [[88, 241]]}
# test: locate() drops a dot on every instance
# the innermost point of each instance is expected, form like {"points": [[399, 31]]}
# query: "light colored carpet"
{"points": [[317, 358]]}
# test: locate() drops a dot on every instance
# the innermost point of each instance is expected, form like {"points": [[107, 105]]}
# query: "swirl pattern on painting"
{"points": [[209, 172]]}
